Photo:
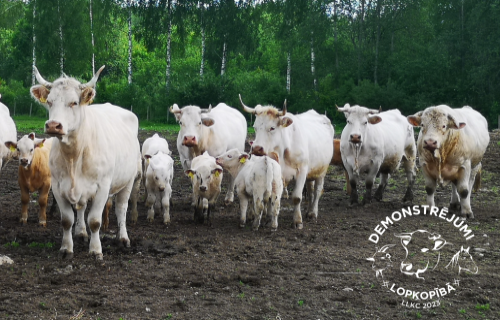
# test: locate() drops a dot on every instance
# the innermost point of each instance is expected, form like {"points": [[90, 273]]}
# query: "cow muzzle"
{"points": [[54, 128], [355, 138], [203, 188], [24, 162], [189, 141], [430, 145], [258, 150], [161, 188], [219, 161]]}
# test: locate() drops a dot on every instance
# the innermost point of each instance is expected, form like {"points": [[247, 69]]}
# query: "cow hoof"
{"points": [[150, 219], [23, 222], [255, 228], [166, 222], [82, 237], [126, 242], [228, 202], [469, 215], [312, 216], [274, 229], [64, 254], [455, 206], [42, 224], [98, 256], [297, 225]]}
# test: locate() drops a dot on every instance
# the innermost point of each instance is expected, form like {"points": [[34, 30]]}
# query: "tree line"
{"points": [[405, 54]]}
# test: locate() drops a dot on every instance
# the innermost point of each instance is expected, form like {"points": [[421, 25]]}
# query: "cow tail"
{"points": [[477, 181], [269, 178]]}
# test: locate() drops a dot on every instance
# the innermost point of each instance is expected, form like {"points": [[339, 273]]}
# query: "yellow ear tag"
{"points": [[191, 175], [41, 145], [147, 160], [217, 173], [43, 100], [242, 160], [12, 149]]}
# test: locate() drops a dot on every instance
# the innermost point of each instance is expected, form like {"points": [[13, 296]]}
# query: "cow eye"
{"points": [[49, 103], [444, 126], [180, 122], [17, 149], [156, 178], [272, 129], [348, 122], [31, 150], [199, 123], [366, 122], [229, 156], [72, 104]]}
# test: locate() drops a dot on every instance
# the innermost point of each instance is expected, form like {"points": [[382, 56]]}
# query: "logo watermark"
{"points": [[422, 252]]}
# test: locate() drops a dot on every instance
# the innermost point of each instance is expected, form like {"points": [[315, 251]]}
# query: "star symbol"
{"points": [[456, 281], [385, 284]]}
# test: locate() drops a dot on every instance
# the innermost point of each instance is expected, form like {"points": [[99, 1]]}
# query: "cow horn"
{"points": [[177, 110], [92, 82], [40, 79], [245, 108], [283, 112], [374, 111], [207, 110]]}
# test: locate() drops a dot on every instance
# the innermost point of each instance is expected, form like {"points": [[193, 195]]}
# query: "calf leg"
{"points": [[25, 201], [42, 201], [259, 205], [230, 191], [150, 203], [165, 202], [318, 189], [243, 208], [198, 211]]}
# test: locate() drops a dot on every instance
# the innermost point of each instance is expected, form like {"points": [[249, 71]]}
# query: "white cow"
{"points": [[215, 130], [375, 142], [206, 178], [451, 145], [258, 178], [302, 145], [8, 132], [158, 181], [150, 147], [96, 155]]}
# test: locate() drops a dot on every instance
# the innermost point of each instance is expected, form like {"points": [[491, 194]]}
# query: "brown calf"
{"points": [[337, 161], [34, 173]]}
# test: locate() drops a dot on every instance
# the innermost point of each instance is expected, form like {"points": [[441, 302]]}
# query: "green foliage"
{"points": [[483, 307], [12, 244]]}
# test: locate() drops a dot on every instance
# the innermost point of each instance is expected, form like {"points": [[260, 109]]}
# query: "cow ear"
{"points": [[11, 145], [454, 124], [190, 173], [31, 136], [244, 157], [208, 122], [40, 93], [374, 119], [438, 245], [147, 156], [87, 96], [416, 119], [286, 121], [39, 143], [217, 172], [176, 111]]}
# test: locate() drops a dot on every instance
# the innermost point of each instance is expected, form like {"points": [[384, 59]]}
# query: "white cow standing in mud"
{"points": [[95, 155], [451, 145]]}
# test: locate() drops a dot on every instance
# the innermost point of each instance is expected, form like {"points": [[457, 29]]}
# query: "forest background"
{"points": [[405, 54]]}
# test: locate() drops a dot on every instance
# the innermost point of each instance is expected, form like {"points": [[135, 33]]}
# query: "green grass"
{"points": [[300, 303], [48, 245], [483, 307], [29, 124], [11, 244]]}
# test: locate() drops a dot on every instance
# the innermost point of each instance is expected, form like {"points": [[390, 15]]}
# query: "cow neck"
{"points": [[236, 170], [207, 135], [356, 150], [439, 156]]}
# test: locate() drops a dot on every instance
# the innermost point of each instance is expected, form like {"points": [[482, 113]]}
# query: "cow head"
{"points": [[435, 123], [204, 174], [422, 251], [191, 119], [25, 148], [268, 125], [161, 166], [65, 99], [358, 119], [381, 260], [231, 160]]}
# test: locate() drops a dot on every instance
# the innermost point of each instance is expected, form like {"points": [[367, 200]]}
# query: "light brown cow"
{"points": [[337, 161], [34, 173]]}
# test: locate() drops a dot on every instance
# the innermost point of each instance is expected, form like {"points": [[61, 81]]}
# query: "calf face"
{"points": [[202, 178], [159, 170], [268, 124], [231, 160], [358, 118], [191, 121], [25, 148], [435, 124], [422, 251]]}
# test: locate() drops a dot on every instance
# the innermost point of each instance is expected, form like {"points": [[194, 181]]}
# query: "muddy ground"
{"points": [[189, 271]]}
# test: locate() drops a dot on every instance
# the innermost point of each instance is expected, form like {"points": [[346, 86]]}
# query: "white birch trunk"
{"points": [[34, 56], [129, 45], [169, 37], [288, 71], [375, 75], [61, 62], [313, 70], [92, 35], [202, 67], [224, 52]]}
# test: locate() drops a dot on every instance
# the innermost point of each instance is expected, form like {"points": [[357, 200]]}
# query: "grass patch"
{"points": [[48, 245], [29, 124], [483, 307], [12, 244]]}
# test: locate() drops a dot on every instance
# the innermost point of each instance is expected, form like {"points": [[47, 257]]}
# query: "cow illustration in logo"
{"points": [[462, 260], [381, 260], [419, 246]]}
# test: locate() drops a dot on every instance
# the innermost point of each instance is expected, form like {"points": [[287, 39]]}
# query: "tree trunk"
{"points": [[377, 40], [335, 35], [224, 53], [169, 37], [92, 35], [202, 67], [360, 38], [61, 62], [34, 56], [288, 71], [130, 47], [313, 71]]}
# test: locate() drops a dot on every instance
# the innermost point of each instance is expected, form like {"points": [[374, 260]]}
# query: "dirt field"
{"points": [[189, 271]]}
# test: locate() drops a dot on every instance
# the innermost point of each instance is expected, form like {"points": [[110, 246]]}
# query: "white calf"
{"points": [[158, 181]]}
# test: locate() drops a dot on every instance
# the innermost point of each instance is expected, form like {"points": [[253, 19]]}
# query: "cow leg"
{"points": [[165, 202], [259, 206], [430, 187], [150, 203], [297, 196], [384, 179], [25, 201], [230, 191], [347, 183], [464, 187], [409, 167], [243, 208], [80, 227], [318, 188], [67, 219], [121, 205], [309, 194], [370, 179], [285, 189], [43, 198], [134, 194], [198, 211], [274, 210], [95, 218], [455, 198], [105, 214]]}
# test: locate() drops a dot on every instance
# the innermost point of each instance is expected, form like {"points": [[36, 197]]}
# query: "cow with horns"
{"points": [[303, 146], [96, 155]]}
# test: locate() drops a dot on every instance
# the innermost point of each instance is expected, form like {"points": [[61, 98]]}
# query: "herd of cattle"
{"points": [[94, 154]]}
